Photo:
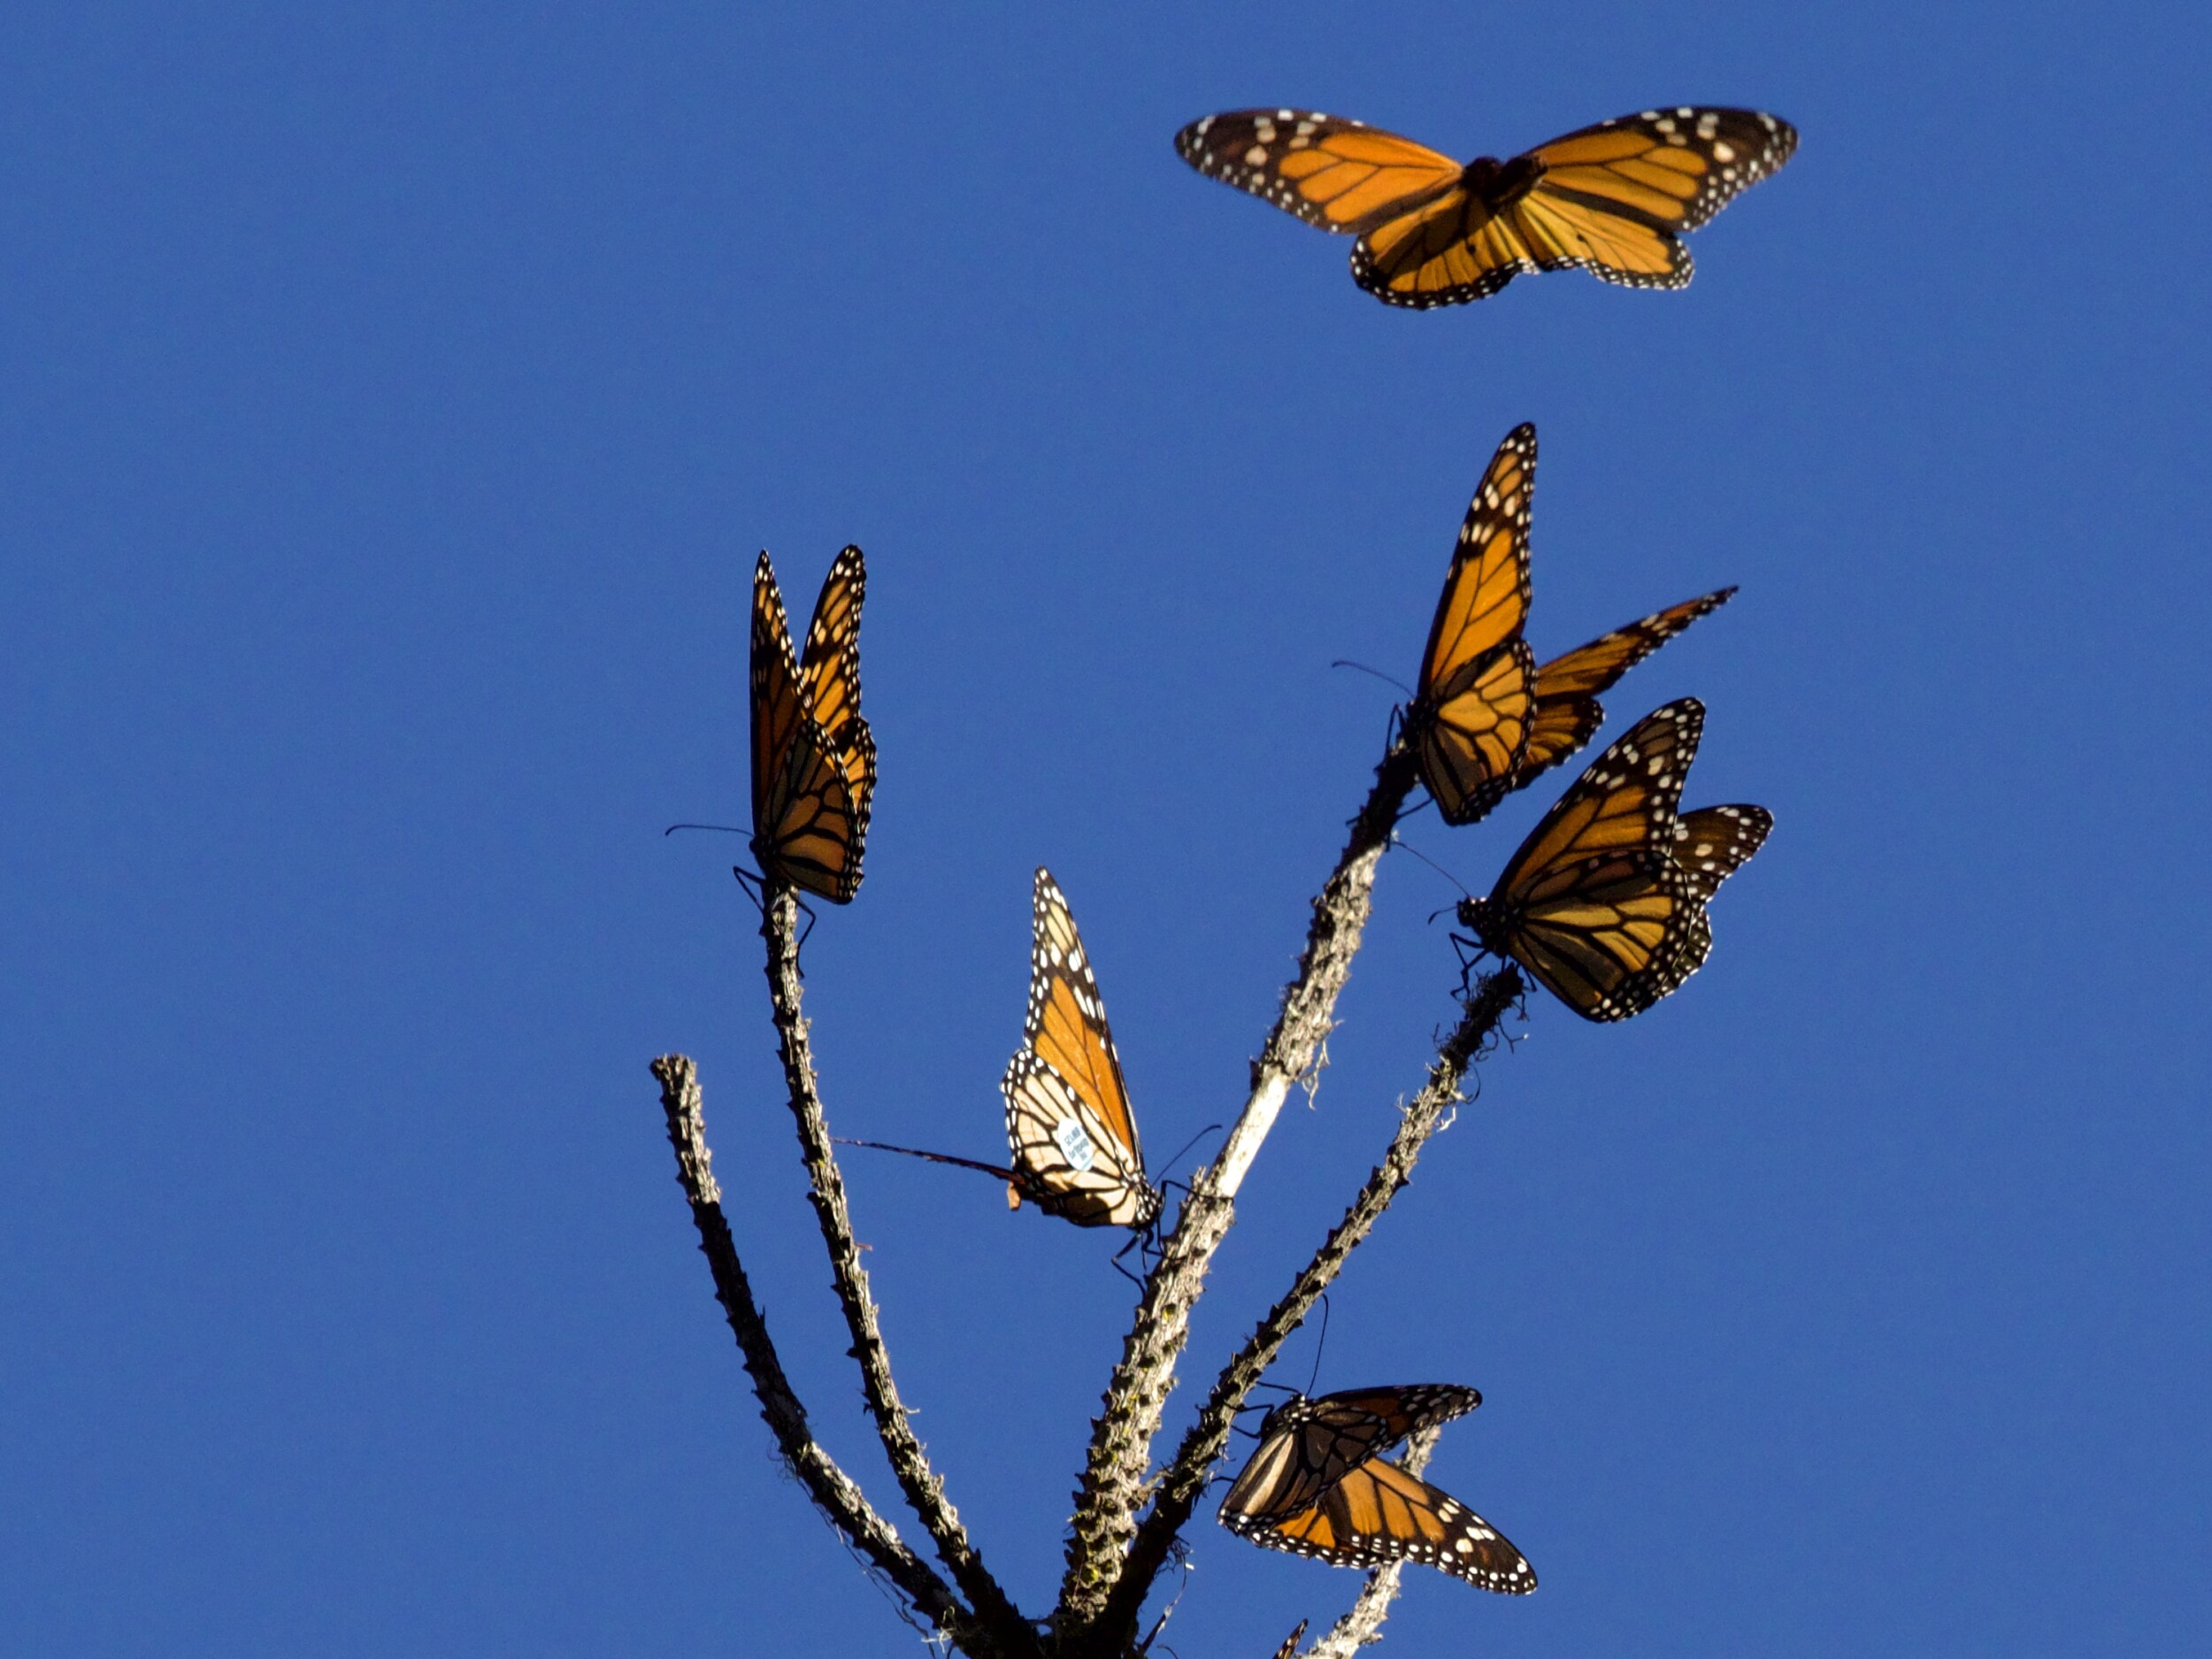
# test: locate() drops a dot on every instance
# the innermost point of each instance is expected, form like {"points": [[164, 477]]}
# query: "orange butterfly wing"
{"points": [[1593, 902], [1567, 714], [1714, 842], [1611, 199], [1068, 1118], [812, 790], [1469, 721], [1342, 175], [1307, 1446], [1377, 1514]]}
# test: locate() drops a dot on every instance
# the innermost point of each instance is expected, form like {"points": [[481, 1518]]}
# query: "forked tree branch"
{"points": [[1185, 1479], [1363, 1621], [1009, 1634], [1121, 1441], [833, 1492]]}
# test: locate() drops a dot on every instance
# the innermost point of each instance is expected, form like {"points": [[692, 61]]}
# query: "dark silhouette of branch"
{"points": [[1121, 1443], [833, 1492], [1009, 1633], [1185, 1479]]}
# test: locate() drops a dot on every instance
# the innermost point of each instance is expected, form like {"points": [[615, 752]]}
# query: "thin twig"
{"points": [[1122, 1434], [1010, 1634], [1178, 1488], [1363, 1621], [833, 1492]]}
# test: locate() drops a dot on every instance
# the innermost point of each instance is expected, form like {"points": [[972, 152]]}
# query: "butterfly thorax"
{"points": [[1488, 920], [1497, 184]]}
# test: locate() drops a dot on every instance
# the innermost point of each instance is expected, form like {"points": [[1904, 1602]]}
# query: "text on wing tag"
{"points": [[1074, 1142]]}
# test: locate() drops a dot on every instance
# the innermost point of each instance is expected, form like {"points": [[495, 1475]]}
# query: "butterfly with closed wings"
{"points": [[1605, 901], [1068, 1119], [1484, 720], [814, 758], [1612, 199], [1318, 1486]]}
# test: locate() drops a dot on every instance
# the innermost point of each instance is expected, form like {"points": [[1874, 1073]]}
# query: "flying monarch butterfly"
{"points": [[1605, 901], [1074, 1139], [1611, 199], [814, 759], [1364, 1510], [1485, 720], [1307, 1445]]}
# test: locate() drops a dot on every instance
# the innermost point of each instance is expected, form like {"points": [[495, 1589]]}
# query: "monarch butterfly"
{"points": [[1605, 901], [1368, 1511], [1067, 1109], [1610, 199], [1290, 1642], [814, 759], [1307, 1445], [1485, 720]]}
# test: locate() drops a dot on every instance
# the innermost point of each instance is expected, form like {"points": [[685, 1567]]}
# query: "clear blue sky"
{"points": [[392, 400]]}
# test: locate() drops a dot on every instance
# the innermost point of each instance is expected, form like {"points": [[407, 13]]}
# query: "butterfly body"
{"points": [[1604, 902], [1318, 1486], [813, 756], [1611, 199]]}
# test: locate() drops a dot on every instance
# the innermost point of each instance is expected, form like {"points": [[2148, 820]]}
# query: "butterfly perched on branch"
{"points": [[1612, 199], [1484, 720], [814, 759], [1318, 1486], [1605, 901], [1068, 1120]]}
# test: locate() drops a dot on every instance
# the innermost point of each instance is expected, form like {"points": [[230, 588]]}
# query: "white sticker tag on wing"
{"points": [[1075, 1145]]}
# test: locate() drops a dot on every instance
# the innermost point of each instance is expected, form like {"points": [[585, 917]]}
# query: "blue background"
{"points": [[393, 401]]}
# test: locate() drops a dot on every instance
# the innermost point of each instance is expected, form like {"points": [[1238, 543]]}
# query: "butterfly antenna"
{"points": [[727, 829], [1397, 841], [1346, 662], [1187, 1145], [1320, 1344]]}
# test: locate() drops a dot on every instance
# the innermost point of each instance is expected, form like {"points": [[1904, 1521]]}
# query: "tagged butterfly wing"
{"points": [[1469, 722], [1377, 1514], [811, 792], [1567, 714], [1612, 199], [1593, 903], [1068, 1118], [1307, 1446]]}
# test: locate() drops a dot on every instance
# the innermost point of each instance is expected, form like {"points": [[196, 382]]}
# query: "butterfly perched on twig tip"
{"points": [[1068, 1117], [1484, 720], [1605, 901], [814, 758], [1068, 1120], [1318, 1486], [1612, 199]]}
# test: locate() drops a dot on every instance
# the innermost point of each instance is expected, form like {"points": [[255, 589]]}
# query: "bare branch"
{"points": [[1122, 1434], [833, 1492], [1363, 1621], [1185, 1479], [1010, 1633]]}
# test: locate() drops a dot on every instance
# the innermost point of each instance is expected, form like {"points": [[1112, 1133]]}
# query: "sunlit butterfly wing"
{"points": [[829, 669], [1377, 1514], [1593, 903], [1342, 175], [1291, 1641], [1470, 716], [1068, 1118], [1612, 199], [1714, 842], [1567, 714], [1307, 1445]]}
